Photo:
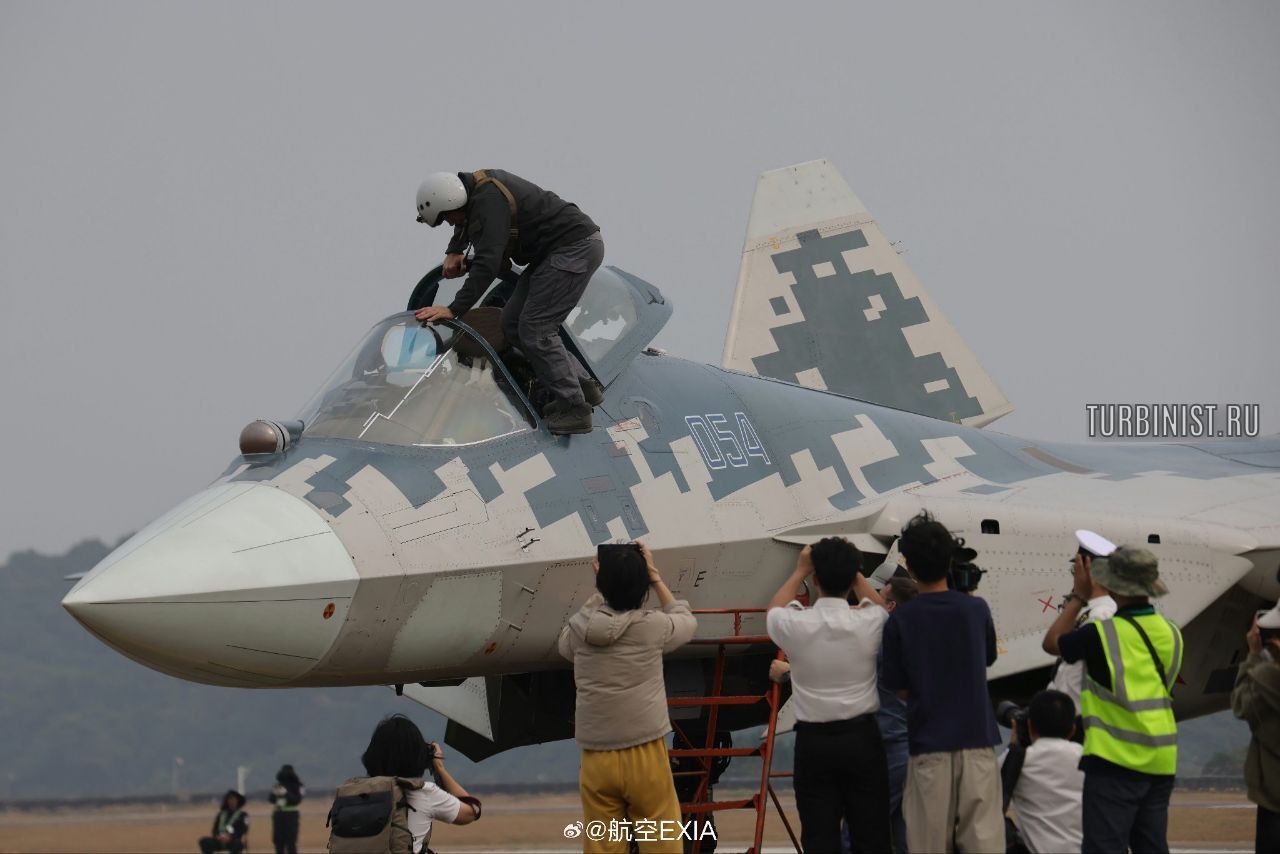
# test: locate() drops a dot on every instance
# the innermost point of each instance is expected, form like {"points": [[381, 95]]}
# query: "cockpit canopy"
{"points": [[440, 385], [408, 384]]}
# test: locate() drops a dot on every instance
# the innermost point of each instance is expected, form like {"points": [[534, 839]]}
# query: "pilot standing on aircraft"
{"points": [[506, 218]]}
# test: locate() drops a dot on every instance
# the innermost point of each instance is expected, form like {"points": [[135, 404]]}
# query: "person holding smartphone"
{"points": [[1256, 700], [621, 723]]}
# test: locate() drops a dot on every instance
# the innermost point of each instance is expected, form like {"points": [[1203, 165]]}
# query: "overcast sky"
{"points": [[202, 208]]}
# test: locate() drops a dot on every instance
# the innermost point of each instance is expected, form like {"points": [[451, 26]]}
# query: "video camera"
{"points": [[1014, 717], [964, 574]]}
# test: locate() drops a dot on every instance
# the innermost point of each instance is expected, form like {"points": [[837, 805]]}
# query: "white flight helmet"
{"points": [[440, 193]]}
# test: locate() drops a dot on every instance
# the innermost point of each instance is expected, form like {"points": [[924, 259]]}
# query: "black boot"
{"points": [[592, 391], [569, 418]]}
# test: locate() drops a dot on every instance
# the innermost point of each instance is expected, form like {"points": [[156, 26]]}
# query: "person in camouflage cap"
{"points": [[1130, 571], [1131, 736]]}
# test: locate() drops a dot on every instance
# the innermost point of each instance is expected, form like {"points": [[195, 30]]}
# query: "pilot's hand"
{"points": [[453, 266], [778, 669], [434, 314], [1254, 637]]}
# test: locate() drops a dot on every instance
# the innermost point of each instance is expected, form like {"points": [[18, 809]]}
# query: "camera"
{"points": [[1014, 717], [606, 552], [964, 574], [1267, 634]]}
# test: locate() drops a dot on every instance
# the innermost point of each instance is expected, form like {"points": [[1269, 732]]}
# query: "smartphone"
{"points": [[610, 551], [1267, 634]]}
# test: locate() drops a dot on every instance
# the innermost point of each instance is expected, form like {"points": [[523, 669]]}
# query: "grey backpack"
{"points": [[370, 815]]}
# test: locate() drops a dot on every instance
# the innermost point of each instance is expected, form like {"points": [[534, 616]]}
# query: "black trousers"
{"points": [[841, 773], [1126, 813], [284, 831], [1267, 840]]}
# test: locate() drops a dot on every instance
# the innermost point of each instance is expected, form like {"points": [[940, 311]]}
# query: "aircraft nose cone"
{"points": [[242, 584]]}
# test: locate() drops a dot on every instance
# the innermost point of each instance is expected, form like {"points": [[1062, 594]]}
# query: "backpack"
{"points": [[370, 815]]}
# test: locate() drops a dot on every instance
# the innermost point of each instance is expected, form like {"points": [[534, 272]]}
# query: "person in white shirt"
{"points": [[1048, 795], [840, 766], [397, 749], [1068, 678]]}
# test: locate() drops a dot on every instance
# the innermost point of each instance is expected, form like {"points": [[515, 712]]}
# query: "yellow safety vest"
{"points": [[1132, 724], [226, 821]]}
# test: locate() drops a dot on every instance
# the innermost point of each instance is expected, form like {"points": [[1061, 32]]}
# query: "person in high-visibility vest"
{"points": [[1131, 739], [230, 826], [285, 797]]}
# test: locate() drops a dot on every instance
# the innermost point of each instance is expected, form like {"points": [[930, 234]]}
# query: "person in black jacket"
{"points": [[506, 218], [229, 826], [285, 796]]}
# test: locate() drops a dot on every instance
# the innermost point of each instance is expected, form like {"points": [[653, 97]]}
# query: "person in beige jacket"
{"points": [[1256, 700], [622, 721]]}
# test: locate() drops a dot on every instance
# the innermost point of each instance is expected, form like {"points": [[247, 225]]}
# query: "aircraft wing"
{"points": [[825, 300]]}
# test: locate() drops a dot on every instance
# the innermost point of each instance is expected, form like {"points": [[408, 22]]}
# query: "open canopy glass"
{"points": [[408, 384]]}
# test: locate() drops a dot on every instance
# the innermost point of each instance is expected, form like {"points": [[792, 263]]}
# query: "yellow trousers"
{"points": [[632, 785]]}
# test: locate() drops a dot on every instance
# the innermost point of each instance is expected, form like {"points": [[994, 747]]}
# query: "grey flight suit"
{"points": [[544, 296], [561, 247]]}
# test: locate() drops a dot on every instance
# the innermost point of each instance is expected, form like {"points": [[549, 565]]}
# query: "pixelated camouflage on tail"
{"points": [[825, 301]]}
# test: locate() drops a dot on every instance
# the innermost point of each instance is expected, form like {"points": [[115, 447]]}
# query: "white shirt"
{"points": [[1047, 798], [429, 802], [1069, 678], [832, 649]]}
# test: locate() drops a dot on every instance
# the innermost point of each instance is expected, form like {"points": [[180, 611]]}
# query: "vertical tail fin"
{"points": [[824, 300]]}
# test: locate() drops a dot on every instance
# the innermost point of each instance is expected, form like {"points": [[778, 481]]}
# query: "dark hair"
{"points": [[900, 589], [397, 749], [232, 793], [1053, 714], [623, 579], [835, 562], [927, 545], [286, 776]]}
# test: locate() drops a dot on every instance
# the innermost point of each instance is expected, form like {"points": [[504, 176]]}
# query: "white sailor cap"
{"points": [[1271, 619], [1095, 544]]}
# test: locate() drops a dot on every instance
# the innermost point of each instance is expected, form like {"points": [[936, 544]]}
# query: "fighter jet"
{"points": [[417, 526]]}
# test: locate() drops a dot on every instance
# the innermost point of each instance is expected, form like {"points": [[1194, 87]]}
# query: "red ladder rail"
{"points": [[701, 805]]}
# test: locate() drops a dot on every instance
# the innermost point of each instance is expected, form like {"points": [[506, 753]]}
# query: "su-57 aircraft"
{"points": [[417, 526]]}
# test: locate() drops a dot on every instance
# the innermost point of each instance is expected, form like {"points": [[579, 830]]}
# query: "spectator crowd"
{"points": [[897, 745]]}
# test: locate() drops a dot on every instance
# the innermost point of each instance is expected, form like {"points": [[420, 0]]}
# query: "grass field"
{"points": [[1199, 821]]}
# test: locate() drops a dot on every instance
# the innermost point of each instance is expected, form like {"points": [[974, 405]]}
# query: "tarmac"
{"points": [[1200, 821]]}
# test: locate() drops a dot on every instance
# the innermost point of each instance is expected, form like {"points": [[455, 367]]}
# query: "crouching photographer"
{"points": [[1040, 775]]}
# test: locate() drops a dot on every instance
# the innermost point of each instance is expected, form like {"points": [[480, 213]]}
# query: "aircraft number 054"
{"points": [[726, 441]]}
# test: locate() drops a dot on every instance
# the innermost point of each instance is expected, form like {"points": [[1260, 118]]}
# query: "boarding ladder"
{"points": [[709, 752]]}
